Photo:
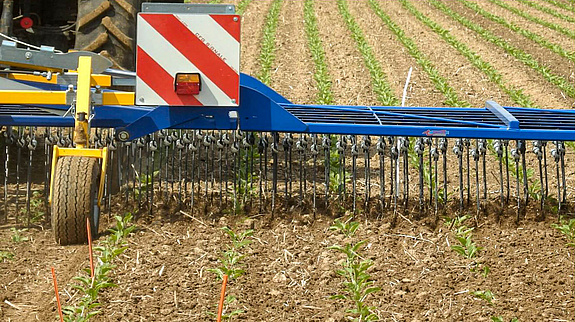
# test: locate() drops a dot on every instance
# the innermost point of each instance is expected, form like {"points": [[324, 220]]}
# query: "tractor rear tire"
{"points": [[75, 192], [108, 27]]}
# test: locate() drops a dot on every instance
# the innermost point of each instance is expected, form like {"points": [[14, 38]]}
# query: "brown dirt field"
{"points": [[557, 64], [293, 76], [395, 60], [290, 273], [350, 77], [515, 73]]}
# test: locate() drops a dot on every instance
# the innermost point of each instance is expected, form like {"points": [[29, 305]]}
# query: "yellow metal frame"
{"points": [[82, 127], [95, 79], [59, 98]]}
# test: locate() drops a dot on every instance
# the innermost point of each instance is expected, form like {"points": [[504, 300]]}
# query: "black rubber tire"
{"points": [[76, 183], [108, 27]]}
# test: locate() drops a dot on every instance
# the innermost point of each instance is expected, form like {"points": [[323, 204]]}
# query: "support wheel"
{"points": [[75, 193]]}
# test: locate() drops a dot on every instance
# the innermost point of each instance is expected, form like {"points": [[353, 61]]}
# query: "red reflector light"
{"points": [[188, 84]]}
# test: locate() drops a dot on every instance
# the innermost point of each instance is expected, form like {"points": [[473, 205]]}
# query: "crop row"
{"points": [[568, 32], [268, 44], [519, 54], [495, 76], [526, 33], [440, 82], [548, 10], [562, 5]]}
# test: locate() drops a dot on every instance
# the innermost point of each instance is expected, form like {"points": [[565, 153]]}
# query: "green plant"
{"points": [[524, 32], [439, 81], [228, 301], [567, 228], [321, 74], [242, 6], [17, 236], [500, 319], [347, 227], [548, 10], [268, 45], [484, 295], [519, 54], [5, 255], [467, 247], [379, 80], [358, 284], [561, 5], [231, 258], [522, 13], [495, 76], [89, 287]]}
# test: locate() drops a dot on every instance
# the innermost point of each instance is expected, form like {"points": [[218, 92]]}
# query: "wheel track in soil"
{"points": [[543, 15], [515, 73], [555, 63], [293, 59], [34, 293]]}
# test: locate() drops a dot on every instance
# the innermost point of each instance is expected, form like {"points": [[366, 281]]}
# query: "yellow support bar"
{"points": [[59, 98], [95, 79]]}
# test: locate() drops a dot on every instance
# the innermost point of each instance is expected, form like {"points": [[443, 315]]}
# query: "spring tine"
{"points": [[235, 149], [252, 142], [161, 136], [326, 144], [506, 145], [274, 149], [179, 145], [32, 144], [153, 147], [299, 148], [404, 152], [516, 157], [435, 158], [20, 142], [393, 155], [262, 151], [226, 141], [286, 148], [538, 153], [9, 139], [266, 161], [457, 150], [475, 156], [443, 144], [557, 158], [112, 147], [419, 148], [148, 177], [544, 145], [186, 140], [354, 154], [381, 145], [467, 144], [140, 175], [365, 145], [561, 150], [483, 152], [169, 157], [499, 151], [314, 153], [522, 147]]}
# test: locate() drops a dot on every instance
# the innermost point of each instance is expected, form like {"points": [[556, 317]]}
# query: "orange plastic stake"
{"points": [[222, 297], [90, 247], [57, 295]]}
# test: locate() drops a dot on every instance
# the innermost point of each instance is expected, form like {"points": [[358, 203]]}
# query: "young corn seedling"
{"points": [[567, 229], [467, 247], [268, 45], [5, 255], [501, 319], [231, 265], [358, 284], [89, 287], [17, 236], [484, 295]]}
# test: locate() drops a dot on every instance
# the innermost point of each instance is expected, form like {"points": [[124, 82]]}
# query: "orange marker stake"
{"points": [[222, 297], [57, 295], [90, 247]]}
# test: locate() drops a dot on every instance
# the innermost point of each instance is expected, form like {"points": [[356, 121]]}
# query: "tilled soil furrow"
{"points": [[351, 80], [544, 15], [395, 60], [516, 74], [252, 28], [551, 35], [470, 84], [558, 65], [293, 60]]}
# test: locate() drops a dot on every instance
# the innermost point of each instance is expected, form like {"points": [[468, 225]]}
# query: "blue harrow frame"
{"points": [[264, 110]]}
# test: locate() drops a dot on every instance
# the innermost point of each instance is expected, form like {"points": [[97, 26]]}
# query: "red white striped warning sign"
{"points": [[168, 44]]}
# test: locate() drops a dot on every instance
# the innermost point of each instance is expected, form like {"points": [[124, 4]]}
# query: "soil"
{"points": [[290, 273]]}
